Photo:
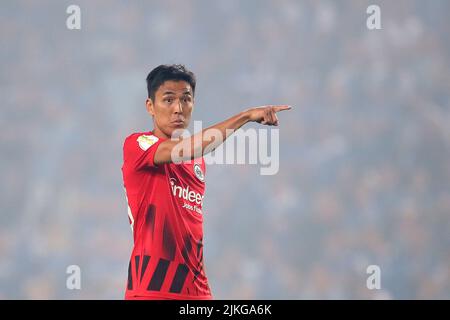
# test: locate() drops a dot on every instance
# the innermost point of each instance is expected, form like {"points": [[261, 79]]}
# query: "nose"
{"points": [[179, 108]]}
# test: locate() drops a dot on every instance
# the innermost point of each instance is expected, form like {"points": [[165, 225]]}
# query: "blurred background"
{"points": [[364, 173]]}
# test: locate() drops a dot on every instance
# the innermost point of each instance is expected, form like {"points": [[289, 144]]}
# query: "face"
{"points": [[172, 108]]}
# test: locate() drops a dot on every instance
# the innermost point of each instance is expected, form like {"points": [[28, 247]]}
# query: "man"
{"points": [[164, 196]]}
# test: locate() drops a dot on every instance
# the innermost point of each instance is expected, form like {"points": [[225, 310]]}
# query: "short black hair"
{"points": [[165, 72]]}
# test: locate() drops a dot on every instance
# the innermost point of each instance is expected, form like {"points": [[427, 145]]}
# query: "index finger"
{"points": [[281, 108]]}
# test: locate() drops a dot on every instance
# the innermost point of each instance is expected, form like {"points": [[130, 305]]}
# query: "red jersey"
{"points": [[165, 213]]}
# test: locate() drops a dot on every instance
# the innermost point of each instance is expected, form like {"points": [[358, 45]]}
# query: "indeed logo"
{"points": [[185, 193]]}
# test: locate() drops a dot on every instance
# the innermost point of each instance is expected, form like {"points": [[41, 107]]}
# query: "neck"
{"points": [[157, 132]]}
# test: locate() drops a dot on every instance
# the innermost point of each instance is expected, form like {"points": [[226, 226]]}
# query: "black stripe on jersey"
{"points": [[179, 278], [169, 244], [199, 267], [150, 219], [136, 266], [196, 274], [187, 248], [159, 275], [144, 266], [199, 247], [130, 278]]}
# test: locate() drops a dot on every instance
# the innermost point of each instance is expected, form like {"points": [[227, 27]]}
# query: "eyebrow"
{"points": [[188, 92]]}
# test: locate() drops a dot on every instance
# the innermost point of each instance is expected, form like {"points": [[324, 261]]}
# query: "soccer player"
{"points": [[164, 196]]}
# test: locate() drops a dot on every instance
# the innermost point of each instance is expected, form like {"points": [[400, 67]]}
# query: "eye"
{"points": [[168, 100]]}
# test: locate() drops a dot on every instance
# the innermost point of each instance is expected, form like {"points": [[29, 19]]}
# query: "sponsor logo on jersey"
{"points": [[185, 193]]}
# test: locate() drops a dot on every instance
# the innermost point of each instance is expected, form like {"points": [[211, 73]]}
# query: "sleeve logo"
{"points": [[146, 142]]}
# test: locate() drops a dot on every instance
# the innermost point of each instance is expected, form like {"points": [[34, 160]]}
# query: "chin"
{"points": [[177, 131]]}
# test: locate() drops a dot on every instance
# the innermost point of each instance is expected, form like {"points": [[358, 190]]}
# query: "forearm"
{"points": [[210, 138]]}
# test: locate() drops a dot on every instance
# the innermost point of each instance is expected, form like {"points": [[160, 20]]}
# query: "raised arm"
{"points": [[210, 138]]}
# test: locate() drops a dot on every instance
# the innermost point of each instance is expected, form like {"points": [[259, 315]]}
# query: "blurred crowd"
{"points": [[364, 155]]}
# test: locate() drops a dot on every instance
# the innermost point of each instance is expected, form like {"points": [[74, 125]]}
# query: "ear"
{"points": [[149, 106]]}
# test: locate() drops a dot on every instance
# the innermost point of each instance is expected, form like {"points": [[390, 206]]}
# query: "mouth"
{"points": [[178, 122]]}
